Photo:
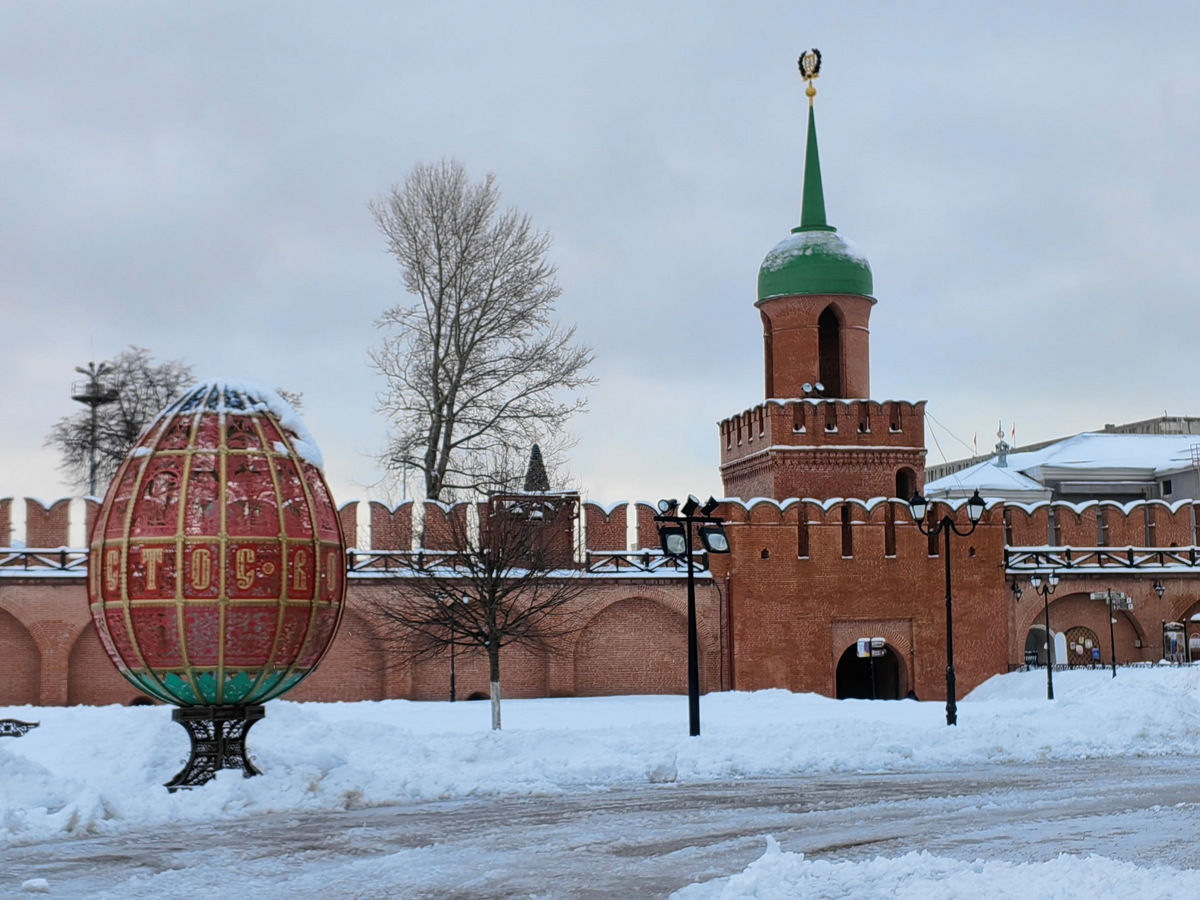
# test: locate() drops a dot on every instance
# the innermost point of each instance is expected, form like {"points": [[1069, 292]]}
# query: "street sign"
{"points": [[864, 648], [878, 647], [1118, 600]]}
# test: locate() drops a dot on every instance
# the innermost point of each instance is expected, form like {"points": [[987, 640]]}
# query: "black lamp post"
{"points": [[918, 506], [675, 532], [1045, 588], [449, 608]]}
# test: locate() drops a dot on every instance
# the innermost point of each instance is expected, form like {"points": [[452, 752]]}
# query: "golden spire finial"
{"points": [[810, 68]]}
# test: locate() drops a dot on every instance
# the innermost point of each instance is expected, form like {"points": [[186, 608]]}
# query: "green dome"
{"points": [[814, 258], [814, 262]]}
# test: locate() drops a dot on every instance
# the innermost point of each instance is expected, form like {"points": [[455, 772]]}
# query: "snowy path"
{"points": [[642, 840]]}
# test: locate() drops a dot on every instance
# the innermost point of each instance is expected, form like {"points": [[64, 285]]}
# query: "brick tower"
{"points": [[817, 435]]}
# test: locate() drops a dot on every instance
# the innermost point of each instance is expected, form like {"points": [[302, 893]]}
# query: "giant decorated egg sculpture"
{"points": [[217, 562]]}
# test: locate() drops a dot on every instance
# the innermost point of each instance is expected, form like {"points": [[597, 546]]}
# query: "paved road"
{"points": [[643, 841]]}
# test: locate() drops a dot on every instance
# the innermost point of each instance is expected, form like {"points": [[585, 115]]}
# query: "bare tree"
{"points": [[142, 389], [514, 585], [476, 365]]}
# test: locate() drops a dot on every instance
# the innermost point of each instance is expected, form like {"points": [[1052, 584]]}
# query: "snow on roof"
{"points": [[1106, 457]]}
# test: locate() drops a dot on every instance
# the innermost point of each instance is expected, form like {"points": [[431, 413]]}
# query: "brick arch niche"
{"points": [[634, 646], [353, 669], [92, 679], [19, 664]]}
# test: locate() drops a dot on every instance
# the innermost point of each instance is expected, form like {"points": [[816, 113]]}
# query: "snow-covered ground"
{"points": [[99, 770]]}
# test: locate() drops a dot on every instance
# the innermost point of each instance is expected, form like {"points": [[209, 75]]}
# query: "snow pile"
{"points": [[100, 770], [778, 875]]}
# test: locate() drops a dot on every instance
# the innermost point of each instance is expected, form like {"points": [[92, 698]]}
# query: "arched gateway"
{"points": [[854, 676]]}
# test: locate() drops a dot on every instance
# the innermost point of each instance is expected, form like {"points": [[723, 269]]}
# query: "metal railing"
{"points": [[1092, 559]]}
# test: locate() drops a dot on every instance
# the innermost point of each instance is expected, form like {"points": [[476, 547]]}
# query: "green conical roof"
{"points": [[814, 258]]}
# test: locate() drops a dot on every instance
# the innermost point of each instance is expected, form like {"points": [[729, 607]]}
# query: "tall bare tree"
{"points": [[513, 584], [142, 389], [476, 365]]}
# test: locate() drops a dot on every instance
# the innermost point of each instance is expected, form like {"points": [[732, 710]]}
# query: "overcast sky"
{"points": [[194, 179]]}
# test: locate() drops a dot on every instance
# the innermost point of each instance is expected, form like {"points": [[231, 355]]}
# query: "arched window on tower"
{"points": [[829, 343], [906, 484]]}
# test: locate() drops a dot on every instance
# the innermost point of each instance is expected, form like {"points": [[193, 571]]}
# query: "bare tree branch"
{"points": [[476, 365], [143, 388], [513, 585]]}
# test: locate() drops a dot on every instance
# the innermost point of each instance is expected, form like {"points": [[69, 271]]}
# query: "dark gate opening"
{"points": [[854, 676]]}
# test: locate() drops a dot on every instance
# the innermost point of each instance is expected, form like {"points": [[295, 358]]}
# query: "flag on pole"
{"points": [[975, 443], [1014, 434]]}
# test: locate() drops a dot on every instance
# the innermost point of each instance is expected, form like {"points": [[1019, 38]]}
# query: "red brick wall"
{"points": [[46, 527], [790, 332], [6, 534], [647, 528], [606, 531], [353, 669], [19, 663], [348, 515], [92, 679], [439, 534], [391, 529], [635, 646]]}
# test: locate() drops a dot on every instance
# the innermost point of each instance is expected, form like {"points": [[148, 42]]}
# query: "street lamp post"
{"points": [[675, 532], [449, 608], [1045, 588], [918, 506]]}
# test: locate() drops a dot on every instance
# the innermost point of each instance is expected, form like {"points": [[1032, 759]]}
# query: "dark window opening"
{"points": [[766, 554], [906, 484], [847, 532], [1008, 527], [1151, 532], [1166, 487], [930, 525], [802, 535], [829, 341], [1101, 528], [889, 531]]}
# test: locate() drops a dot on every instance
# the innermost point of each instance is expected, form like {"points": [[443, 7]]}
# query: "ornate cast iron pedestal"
{"points": [[218, 735], [15, 727]]}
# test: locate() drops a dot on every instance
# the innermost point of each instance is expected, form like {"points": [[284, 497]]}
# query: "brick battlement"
{"points": [[823, 423], [625, 526], [824, 448]]}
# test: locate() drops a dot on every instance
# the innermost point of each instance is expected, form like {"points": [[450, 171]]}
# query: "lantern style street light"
{"points": [[919, 506], [1045, 588], [675, 532]]}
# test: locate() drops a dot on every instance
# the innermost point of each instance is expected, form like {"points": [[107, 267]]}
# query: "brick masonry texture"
{"points": [[768, 616]]}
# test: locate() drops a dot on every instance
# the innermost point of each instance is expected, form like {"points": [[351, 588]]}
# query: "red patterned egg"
{"points": [[216, 573]]}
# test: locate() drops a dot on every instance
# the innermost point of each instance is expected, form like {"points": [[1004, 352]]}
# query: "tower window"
{"points": [[847, 532], [889, 531], [802, 534], [829, 342]]}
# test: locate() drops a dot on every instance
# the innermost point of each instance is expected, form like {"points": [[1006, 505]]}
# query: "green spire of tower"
{"points": [[814, 258], [812, 213]]}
